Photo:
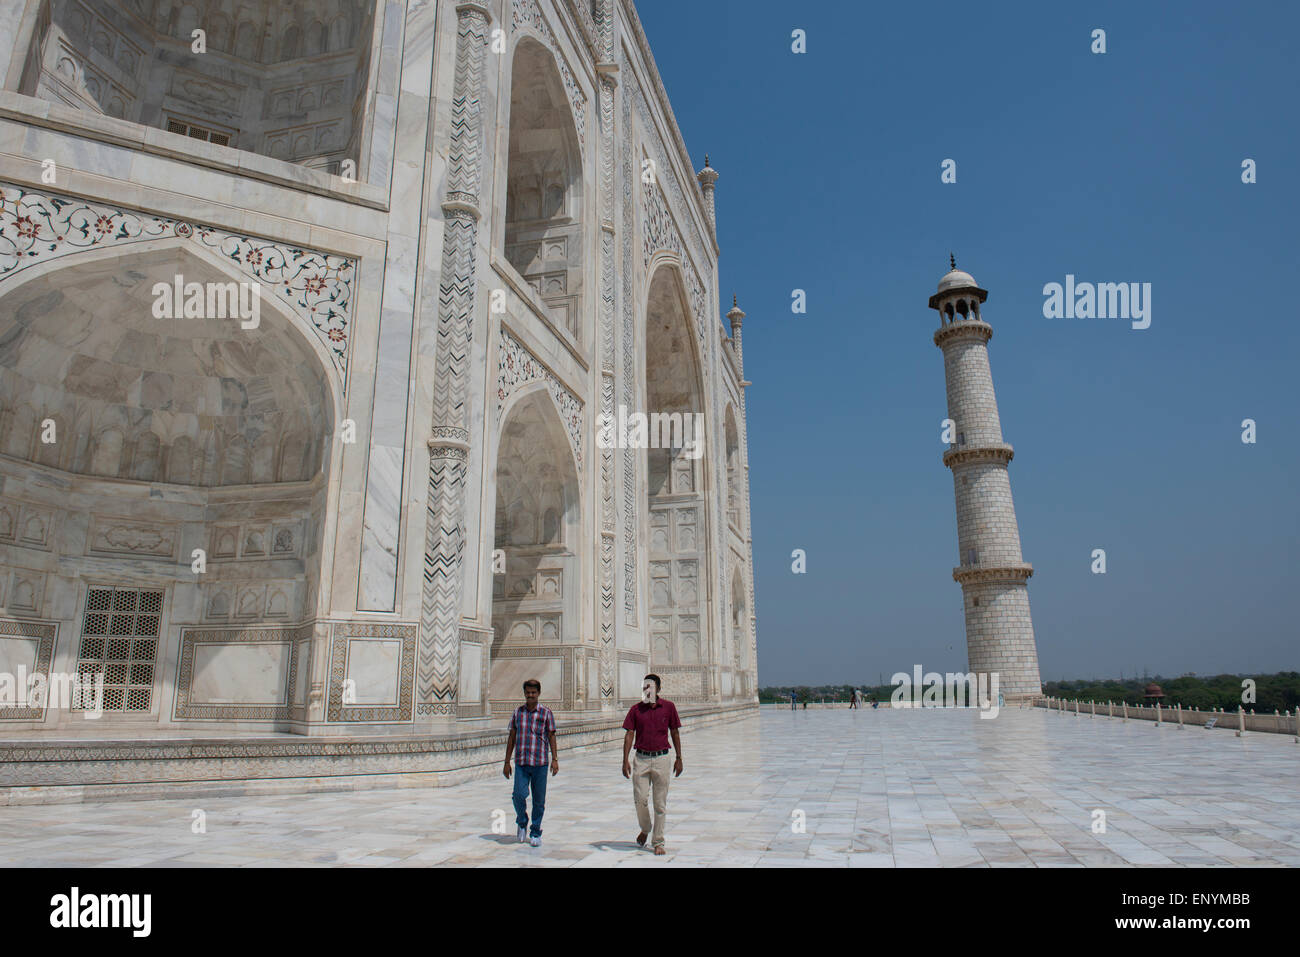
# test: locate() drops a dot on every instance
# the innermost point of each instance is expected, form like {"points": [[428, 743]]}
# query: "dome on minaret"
{"points": [[954, 282], [956, 279]]}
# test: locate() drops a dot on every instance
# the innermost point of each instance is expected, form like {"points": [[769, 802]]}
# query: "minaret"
{"points": [[708, 178], [737, 316], [992, 574]]}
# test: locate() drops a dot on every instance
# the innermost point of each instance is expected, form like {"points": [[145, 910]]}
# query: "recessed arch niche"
{"points": [[537, 583], [145, 438], [679, 547], [544, 207]]}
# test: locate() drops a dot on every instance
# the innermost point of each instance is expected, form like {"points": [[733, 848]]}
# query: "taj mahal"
{"points": [[364, 362], [361, 520]]}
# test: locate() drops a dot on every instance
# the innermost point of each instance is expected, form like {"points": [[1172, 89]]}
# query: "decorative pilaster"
{"points": [[736, 316], [708, 177], [627, 348], [438, 661], [607, 70]]}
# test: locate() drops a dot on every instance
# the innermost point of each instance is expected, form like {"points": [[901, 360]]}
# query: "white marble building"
{"points": [[474, 228]]}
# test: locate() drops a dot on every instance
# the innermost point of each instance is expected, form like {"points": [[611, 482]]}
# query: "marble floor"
{"points": [[817, 788]]}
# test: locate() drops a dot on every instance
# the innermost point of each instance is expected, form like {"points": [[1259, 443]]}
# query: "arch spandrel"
{"points": [[517, 367], [661, 242], [317, 288]]}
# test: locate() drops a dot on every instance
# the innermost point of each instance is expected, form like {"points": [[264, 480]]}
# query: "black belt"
{"points": [[652, 754]]}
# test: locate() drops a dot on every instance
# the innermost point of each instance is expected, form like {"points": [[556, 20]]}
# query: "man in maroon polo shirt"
{"points": [[648, 725]]}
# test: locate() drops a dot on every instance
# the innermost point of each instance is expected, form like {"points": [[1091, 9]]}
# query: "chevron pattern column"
{"points": [[608, 70], [438, 657]]}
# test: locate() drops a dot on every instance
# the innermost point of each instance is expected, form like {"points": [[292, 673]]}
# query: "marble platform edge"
{"points": [[262, 770]]}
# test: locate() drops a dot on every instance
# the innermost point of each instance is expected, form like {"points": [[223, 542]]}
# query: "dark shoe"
{"points": [[640, 838]]}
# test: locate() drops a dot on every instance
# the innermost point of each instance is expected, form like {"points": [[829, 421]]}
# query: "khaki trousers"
{"points": [[648, 774]]}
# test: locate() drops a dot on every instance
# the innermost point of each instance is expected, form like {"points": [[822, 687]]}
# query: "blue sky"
{"points": [[1122, 166]]}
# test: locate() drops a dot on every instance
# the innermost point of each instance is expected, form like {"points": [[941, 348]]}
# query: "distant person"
{"points": [[792, 700], [853, 699], [874, 703], [648, 725], [532, 741]]}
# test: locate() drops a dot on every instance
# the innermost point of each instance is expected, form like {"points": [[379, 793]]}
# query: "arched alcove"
{"points": [[735, 471], [536, 598], [544, 209], [679, 548], [131, 439]]}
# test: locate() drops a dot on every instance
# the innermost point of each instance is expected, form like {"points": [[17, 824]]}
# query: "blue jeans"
{"points": [[536, 776]]}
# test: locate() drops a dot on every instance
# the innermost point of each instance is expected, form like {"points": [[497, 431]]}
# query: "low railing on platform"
{"points": [[1240, 720]]}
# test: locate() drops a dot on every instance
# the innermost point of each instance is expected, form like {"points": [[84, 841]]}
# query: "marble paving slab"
{"points": [[929, 788]]}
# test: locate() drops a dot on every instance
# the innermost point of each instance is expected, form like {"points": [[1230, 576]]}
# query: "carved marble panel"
{"points": [[116, 536]]}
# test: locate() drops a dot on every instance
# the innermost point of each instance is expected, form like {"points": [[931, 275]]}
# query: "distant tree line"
{"points": [[1277, 692]]}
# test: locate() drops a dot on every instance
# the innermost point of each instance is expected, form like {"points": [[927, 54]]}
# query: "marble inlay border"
{"points": [[318, 287], [336, 710], [191, 638], [45, 633], [517, 366]]}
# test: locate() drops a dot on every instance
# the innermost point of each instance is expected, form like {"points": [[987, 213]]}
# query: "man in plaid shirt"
{"points": [[532, 741]]}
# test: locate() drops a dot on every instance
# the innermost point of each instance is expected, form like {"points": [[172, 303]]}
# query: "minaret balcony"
{"points": [[978, 574], [960, 329], [965, 454]]}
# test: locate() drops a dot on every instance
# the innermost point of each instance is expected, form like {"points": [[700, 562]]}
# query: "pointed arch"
{"points": [[543, 216], [681, 547], [145, 459], [538, 537], [180, 461], [734, 467]]}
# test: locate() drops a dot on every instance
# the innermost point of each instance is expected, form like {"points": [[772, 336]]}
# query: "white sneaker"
{"points": [[535, 841], [523, 834]]}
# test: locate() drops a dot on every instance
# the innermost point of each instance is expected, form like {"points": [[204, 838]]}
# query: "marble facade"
{"points": [[474, 228]]}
